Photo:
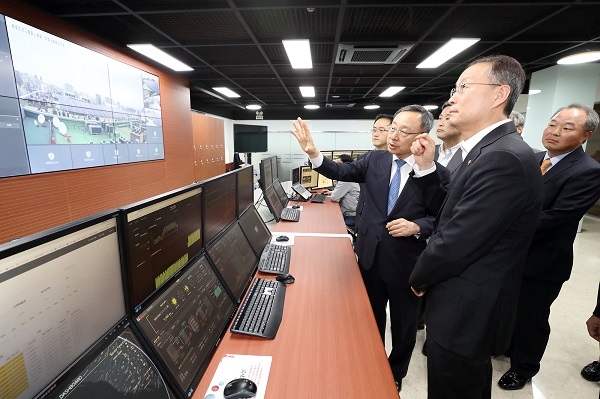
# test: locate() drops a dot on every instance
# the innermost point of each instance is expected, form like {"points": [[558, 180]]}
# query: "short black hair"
{"points": [[384, 116]]}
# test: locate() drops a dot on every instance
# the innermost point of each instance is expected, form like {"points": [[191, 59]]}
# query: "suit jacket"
{"points": [[373, 238], [454, 162], [571, 187], [472, 268]]}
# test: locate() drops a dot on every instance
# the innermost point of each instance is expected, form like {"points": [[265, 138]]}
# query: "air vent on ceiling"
{"points": [[351, 54], [340, 105]]}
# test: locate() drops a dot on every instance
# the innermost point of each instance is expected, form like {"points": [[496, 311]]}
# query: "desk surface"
{"points": [[328, 345], [315, 218]]}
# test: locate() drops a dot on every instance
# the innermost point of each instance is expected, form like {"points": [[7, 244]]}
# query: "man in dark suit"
{"points": [[379, 135], [471, 269], [394, 226], [571, 187], [448, 154]]}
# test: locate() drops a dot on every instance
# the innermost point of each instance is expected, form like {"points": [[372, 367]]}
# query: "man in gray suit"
{"points": [[471, 269]]}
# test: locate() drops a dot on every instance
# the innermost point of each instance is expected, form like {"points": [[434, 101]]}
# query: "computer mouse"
{"points": [[285, 278], [240, 388], [296, 206], [282, 238]]}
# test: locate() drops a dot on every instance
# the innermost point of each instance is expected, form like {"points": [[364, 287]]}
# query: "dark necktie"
{"points": [[394, 186], [545, 165]]}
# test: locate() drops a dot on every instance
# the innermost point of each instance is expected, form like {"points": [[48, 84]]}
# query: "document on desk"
{"points": [[254, 368]]}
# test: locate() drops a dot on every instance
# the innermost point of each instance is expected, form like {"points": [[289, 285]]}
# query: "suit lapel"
{"points": [[488, 139], [455, 161], [563, 164], [383, 170]]}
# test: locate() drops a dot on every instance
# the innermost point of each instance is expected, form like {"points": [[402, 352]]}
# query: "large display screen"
{"points": [[63, 106], [59, 294], [185, 322], [161, 235]]}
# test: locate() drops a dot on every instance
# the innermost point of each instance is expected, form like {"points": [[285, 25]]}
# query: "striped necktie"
{"points": [[545, 165], [394, 186]]}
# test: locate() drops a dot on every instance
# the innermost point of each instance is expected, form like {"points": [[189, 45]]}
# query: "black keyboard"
{"points": [[290, 214], [275, 259], [320, 198], [262, 309]]}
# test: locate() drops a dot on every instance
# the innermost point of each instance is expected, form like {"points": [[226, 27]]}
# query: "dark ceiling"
{"points": [[237, 44]]}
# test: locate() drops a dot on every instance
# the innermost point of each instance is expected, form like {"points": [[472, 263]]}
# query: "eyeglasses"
{"points": [[380, 130], [403, 133], [461, 87]]}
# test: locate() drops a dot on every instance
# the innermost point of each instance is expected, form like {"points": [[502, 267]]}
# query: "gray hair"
{"points": [[505, 70], [591, 121], [517, 118], [426, 116]]}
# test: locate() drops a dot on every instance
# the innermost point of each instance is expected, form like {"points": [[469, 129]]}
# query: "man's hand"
{"points": [[423, 148], [302, 133], [402, 228], [593, 326]]}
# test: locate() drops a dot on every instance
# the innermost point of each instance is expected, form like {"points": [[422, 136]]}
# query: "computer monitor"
{"points": [[266, 173], [184, 322], [255, 229], [274, 168], [234, 259], [61, 291], [219, 200], [336, 154], [283, 198], [324, 182], [160, 235], [119, 369], [273, 202], [308, 177], [245, 188]]}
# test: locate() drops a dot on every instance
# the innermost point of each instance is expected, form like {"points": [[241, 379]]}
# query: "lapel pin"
{"points": [[469, 163]]}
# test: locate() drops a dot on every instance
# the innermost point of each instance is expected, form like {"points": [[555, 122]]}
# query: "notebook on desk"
{"points": [[301, 191]]}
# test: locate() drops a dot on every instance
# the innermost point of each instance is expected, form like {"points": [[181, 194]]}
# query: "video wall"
{"points": [[63, 106]]}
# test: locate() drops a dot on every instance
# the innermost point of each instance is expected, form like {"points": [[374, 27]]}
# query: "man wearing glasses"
{"points": [[394, 225], [471, 270], [379, 135]]}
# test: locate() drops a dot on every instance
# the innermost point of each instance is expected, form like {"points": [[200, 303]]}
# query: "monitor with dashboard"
{"points": [[245, 188], [219, 198], [255, 229], [266, 173], [160, 235], [234, 259], [273, 202], [183, 323], [61, 292]]}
